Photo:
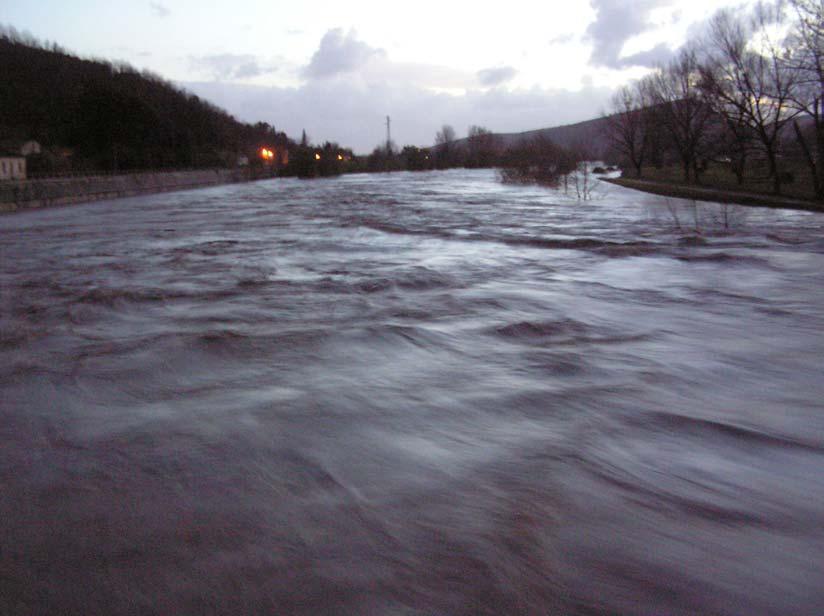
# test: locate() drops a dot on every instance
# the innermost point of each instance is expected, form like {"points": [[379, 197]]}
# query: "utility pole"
{"points": [[388, 142], [388, 136]]}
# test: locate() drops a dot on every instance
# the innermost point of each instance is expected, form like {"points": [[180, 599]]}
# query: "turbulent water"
{"points": [[409, 394]]}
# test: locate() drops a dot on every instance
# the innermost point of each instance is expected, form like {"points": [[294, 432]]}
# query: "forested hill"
{"points": [[96, 115]]}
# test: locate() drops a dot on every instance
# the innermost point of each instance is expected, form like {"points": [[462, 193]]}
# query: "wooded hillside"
{"points": [[96, 115]]}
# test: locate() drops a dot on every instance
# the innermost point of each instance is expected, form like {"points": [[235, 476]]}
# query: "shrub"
{"points": [[539, 161]]}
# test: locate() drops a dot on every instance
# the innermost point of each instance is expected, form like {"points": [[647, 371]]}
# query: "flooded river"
{"points": [[417, 394]]}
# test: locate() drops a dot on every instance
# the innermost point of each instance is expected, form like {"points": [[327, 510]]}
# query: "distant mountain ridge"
{"points": [[591, 135]]}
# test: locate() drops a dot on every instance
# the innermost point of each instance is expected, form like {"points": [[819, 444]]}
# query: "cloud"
{"points": [[342, 57], [496, 76], [615, 24], [159, 10], [349, 87], [658, 55], [227, 66], [338, 53], [352, 111]]}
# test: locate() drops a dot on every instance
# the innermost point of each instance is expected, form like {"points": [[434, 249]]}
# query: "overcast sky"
{"points": [[337, 68]]}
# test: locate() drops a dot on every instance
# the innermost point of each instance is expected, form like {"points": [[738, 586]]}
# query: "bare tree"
{"points": [[481, 147], [806, 47], [445, 146], [734, 142], [628, 124], [445, 136], [680, 109], [745, 79], [582, 180]]}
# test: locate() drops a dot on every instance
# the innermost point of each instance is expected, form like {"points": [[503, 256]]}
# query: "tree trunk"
{"points": [[808, 156], [819, 140], [774, 172], [739, 174], [819, 179]]}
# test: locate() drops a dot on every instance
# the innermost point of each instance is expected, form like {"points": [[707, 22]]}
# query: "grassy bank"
{"points": [[718, 194]]}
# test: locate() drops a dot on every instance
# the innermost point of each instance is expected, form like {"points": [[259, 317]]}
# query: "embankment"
{"points": [[704, 193], [31, 194]]}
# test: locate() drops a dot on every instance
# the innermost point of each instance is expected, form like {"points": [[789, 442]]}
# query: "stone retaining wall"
{"points": [[32, 194]]}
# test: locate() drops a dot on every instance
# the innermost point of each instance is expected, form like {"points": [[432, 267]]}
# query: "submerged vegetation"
{"points": [[538, 161]]}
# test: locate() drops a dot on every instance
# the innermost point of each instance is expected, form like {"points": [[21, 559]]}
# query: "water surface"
{"points": [[411, 394]]}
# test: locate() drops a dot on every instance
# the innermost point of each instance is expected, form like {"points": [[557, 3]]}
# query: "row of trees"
{"points": [[311, 161], [739, 96], [481, 149]]}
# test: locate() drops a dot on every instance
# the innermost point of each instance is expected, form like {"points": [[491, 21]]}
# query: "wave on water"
{"points": [[415, 393]]}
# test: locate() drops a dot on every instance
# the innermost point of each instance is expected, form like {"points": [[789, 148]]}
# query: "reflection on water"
{"points": [[411, 394]]}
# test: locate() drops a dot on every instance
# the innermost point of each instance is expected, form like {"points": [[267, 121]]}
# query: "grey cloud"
{"points": [[230, 66], [353, 114], [159, 10], [701, 29], [338, 53], [658, 55], [615, 24], [341, 56], [350, 87], [496, 76]]}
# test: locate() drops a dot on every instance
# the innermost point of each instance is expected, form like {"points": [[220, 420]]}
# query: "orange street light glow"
{"points": [[317, 156], [340, 157]]}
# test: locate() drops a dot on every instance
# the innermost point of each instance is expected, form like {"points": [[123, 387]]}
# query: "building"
{"points": [[12, 166], [30, 148]]}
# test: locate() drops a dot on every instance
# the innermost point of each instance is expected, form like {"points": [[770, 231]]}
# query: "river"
{"points": [[417, 394]]}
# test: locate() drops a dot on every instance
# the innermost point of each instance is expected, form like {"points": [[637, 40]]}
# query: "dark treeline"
{"points": [[739, 103], [312, 161]]}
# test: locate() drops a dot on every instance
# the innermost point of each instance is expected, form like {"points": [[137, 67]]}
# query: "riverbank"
{"points": [[703, 193], [35, 194]]}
